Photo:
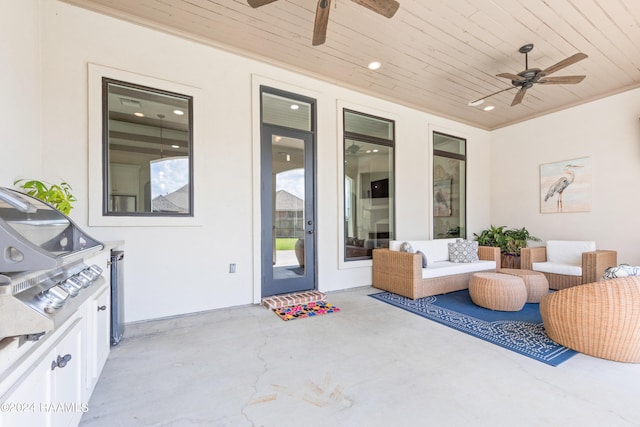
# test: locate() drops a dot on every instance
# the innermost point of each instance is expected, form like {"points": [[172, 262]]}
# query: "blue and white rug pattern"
{"points": [[522, 332]]}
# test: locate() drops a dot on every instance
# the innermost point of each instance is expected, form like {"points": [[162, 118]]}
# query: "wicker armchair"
{"points": [[599, 319], [594, 262]]}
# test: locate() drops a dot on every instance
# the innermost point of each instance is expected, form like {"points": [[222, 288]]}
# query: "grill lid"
{"points": [[36, 236]]}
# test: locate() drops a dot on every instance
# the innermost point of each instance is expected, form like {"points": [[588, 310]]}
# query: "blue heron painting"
{"points": [[558, 183]]}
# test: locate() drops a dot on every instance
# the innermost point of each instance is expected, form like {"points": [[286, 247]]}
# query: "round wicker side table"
{"points": [[536, 282], [495, 291]]}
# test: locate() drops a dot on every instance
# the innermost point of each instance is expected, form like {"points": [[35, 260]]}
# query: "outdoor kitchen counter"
{"points": [[64, 365]]}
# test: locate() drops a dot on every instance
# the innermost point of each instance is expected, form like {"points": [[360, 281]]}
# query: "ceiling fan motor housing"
{"points": [[529, 77]]}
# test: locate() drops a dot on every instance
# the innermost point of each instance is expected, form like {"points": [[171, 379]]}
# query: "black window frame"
{"points": [[456, 156], [106, 81], [348, 135]]}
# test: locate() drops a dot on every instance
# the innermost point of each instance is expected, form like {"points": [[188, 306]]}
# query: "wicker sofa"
{"points": [[568, 263], [601, 319], [402, 272]]}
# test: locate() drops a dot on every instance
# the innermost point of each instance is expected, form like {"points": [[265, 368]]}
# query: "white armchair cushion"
{"points": [[568, 252], [556, 268]]}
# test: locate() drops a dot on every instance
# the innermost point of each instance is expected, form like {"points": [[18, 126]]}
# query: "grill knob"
{"points": [[73, 281], [82, 278], [70, 287], [97, 270], [88, 277], [54, 298]]}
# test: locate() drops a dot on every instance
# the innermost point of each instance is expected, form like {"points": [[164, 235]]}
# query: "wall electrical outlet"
{"points": [[232, 268]]}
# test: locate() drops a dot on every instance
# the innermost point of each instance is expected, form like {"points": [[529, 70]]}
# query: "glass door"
{"points": [[288, 231], [288, 192]]}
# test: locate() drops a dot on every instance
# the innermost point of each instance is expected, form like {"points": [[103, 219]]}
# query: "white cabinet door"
{"points": [[51, 393], [22, 405], [98, 336], [67, 371]]}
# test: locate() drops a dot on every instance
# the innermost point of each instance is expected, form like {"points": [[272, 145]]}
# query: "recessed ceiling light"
{"points": [[130, 102], [138, 114], [488, 108], [476, 103], [376, 150], [294, 106], [178, 112], [374, 65]]}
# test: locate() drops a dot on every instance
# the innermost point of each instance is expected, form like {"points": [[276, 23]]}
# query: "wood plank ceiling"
{"points": [[436, 55]]}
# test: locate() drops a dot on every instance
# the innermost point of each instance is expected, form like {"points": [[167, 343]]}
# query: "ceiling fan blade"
{"points": [[385, 8], [258, 3], [509, 76], [490, 95], [561, 80], [518, 98], [564, 63], [322, 20]]}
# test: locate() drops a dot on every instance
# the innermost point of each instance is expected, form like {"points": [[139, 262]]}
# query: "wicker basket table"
{"points": [[496, 291], [535, 281]]}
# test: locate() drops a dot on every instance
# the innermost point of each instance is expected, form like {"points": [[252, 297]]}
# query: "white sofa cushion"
{"points": [[556, 268], [568, 252], [434, 250], [447, 268], [394, 245]]}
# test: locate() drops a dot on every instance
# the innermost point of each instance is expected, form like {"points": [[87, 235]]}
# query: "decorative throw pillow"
{"points": [[622, 270], [406, 247], [463, 251], [424, 259]]}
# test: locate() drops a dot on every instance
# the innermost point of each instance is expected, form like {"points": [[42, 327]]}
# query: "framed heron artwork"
{"points": [[566, 186]]}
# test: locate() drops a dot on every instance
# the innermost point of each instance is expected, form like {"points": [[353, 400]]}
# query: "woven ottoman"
{"points": [[496, 291], [536, 282]]}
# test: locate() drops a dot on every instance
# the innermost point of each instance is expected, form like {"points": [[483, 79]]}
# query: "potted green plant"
{"points": [[57, 195], [510, 241]]}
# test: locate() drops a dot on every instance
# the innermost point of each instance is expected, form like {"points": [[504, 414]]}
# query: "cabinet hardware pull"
{"points": [[102, 307], [61, 361]]}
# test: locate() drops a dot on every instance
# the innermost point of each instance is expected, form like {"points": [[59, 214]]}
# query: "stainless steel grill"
{"points": [[42, 269]]}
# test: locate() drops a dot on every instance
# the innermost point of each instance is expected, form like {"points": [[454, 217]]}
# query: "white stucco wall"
{"points": [[607, 131], [21, 89], [175, 270]]}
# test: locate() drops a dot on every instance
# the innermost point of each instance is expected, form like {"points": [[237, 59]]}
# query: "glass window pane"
{"points": [[368, 189], [288, 169], [282, 111], [449, 187], [147, 151], [367, 125], [449, 144]]}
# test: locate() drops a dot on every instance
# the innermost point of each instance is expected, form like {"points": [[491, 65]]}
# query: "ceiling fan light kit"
{"points": [[386, 8], [525, 79]]}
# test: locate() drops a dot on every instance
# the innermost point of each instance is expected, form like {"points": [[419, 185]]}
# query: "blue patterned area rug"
{"points": [[519, 331]]}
